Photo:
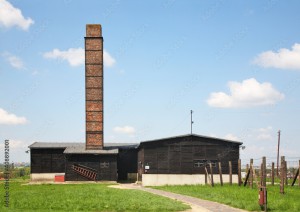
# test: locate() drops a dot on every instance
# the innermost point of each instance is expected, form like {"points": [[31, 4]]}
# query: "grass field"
{"points": [[242, 197], [83, 197]]}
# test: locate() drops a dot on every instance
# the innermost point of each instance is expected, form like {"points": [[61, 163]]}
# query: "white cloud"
{"points": [[11, 119], [75, 56], [11, 16], [109, 61], [231, 137], [248, 93], [125, 130], [282, 59], [13, 60], [265, 133]]}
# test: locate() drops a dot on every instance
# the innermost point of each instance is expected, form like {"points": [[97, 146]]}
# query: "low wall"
{"points": [[182, 179], [44, 176]]}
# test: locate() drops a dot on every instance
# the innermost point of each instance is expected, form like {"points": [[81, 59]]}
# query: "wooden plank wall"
{"points": [[177, 155], [94, 162], [47, 161]]}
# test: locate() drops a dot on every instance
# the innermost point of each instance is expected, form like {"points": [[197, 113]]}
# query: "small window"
{"points": [[202, 163], [104, 165], [213, 163], [199, 163]]}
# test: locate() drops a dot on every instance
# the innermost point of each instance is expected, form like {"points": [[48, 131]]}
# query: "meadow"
{"points": [[242, 197], [83, 197]]}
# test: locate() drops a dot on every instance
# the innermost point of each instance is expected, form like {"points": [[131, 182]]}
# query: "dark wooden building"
{"points": [[98, 160], [186, 154], [111, 163]]}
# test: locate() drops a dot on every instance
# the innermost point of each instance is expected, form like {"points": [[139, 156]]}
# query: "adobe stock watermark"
{"points": [[6, 173]]}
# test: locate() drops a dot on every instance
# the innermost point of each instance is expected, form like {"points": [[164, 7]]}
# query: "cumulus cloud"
{"points": [[265, 133], [109, 61], [10, 119], [124, 130], [248, 93], [11, 16], [282, 59], [13, 60], [231, 137], [75, 56]]}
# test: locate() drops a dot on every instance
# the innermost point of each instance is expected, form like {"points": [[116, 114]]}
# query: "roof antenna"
{"points": [[192, 121]]}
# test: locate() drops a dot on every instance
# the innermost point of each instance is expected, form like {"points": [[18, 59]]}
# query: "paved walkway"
{"points": [[198, 205]]}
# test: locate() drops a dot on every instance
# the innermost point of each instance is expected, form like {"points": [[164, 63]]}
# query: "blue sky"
{"points": [[236, 64]]}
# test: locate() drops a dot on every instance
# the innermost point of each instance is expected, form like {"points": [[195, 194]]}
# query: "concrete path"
{"points": [[197, 205]]}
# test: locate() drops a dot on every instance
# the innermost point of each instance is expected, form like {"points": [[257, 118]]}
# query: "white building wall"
{"points": [[182, 179]]}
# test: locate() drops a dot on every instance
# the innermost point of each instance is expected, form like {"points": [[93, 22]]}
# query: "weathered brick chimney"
{"points": [[94, 86]]}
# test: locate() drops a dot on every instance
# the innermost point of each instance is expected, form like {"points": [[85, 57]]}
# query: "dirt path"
{"points": [[197, 205]]}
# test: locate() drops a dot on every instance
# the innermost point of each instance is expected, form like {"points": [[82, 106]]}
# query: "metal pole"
{"points": [[192, 122], [278, 153]]}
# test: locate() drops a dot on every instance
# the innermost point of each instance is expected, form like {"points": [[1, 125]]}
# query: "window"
{"points": [[199, 163], [104, 165], [213, 163], [202, 163]]}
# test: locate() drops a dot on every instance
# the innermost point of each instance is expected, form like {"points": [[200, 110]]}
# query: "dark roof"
{"points": [[195, 135], [54, 145], [40, 145], [112, 148], [80, 149]]}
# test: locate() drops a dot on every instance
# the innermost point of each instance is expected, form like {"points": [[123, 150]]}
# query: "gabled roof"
{"points": [[194, 135]]}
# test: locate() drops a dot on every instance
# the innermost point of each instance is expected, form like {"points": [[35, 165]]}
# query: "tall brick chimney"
{"points": [[94, 86]]}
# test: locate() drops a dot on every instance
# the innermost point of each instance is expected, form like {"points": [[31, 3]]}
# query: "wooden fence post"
{"points": [[261, 174], [220, 172], [247, 170], [264, 171], [207, 178], [286, 173], [281, 160], [212, 175], [295, 177], [251, 173], [230, 173], [239, 172], [272, 174], [282, 175]]}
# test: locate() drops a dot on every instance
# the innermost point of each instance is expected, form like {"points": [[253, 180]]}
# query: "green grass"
{"points": [[83, 197], [242, 197]]}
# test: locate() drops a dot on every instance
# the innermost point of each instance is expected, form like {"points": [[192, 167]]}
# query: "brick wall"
{"points": [[94, 86]]}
